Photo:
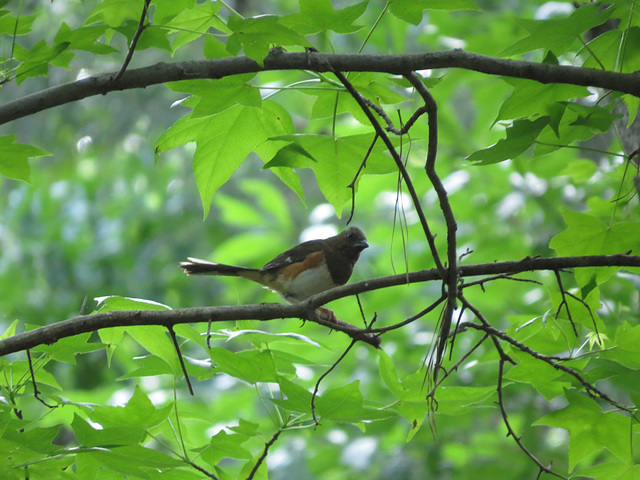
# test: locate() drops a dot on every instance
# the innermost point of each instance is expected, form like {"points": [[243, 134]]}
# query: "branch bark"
{"points": [[49, 334], [104, 83]]}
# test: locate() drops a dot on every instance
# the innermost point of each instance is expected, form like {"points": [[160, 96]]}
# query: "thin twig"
{"points": [[502, 276], [134, 41], [591, 389], [593, 319], [36, 392], [409, 320], [398, 160], [202, 470], [450, 277], [315, 390], [184, 367], [487, 325], [457, 365], [511, 432], [564, 302], [264, 454], [352, 185]]}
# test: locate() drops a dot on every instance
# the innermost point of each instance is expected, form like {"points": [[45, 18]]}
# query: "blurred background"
{"points": [[103, 216]]}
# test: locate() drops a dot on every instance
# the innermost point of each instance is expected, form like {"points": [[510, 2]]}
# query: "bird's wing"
{"points": [[294, 255]]}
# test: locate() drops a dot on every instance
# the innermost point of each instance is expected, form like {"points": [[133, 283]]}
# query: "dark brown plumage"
{"points": [[304, 270]]}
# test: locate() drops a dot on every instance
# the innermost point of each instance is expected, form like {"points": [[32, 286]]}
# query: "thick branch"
{"points": [[319, 62], [270, 311]]}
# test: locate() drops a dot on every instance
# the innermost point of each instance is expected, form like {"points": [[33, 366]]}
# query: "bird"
{"points": [[302, 271]]}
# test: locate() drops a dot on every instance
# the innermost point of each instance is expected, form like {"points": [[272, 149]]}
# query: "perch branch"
{"points": [[49, 334]]}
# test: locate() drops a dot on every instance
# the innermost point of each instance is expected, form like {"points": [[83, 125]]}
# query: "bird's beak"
{"points": [[361, 245]]}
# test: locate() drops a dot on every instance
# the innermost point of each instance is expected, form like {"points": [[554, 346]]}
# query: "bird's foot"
{"points": [[326, 315]]}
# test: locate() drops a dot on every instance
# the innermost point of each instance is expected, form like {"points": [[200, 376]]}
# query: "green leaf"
{"points": [[625, 60], [558, 34], [612, 471], [14, 158], [590, 429], [84, 38], [257, 35], [533, 99], [114, 303], [249, 365], [520, 136], [134, 460], [412, 10], [10, 331], [150, 37], [139, 412], [459, 400], [167, 10], [246, 428], [542, 376], [192, 23], [17, 375], [345, 404], [626, 350], [224, 445], [20, 25], [588, 235], [66, 349], [88, 436], [215, 96], [148, 366], [259, 337], [599, 119], [342, 404], [225, 139], [156, 341], [411, 404], [338, 160], [297, 399], [114, 13], [291, 156], [319, 16], [110, 338], [580, 170]]}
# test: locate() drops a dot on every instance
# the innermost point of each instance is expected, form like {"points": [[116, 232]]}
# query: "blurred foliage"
{"points": [[111, 206]]}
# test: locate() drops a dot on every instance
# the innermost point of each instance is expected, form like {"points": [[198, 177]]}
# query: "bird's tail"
{"points": [[196, 266]]}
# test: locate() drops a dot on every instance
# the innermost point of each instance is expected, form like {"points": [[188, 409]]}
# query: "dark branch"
{"points": [[267, 446], [49, 334], [134, 41], [319, 62], [401, 168], [315, 389], [451, 279], [176, 345], [511, 432]]}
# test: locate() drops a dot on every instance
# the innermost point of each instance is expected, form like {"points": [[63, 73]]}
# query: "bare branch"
{"points": [[590, 388], [564, 302], [267, 446], [320, 62], [403, 171], [511, 432], [134, 41], [315, 389], [451, 277], [176, 345]]}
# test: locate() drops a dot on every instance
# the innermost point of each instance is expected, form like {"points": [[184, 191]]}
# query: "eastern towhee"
{"points": [[304, 270]]}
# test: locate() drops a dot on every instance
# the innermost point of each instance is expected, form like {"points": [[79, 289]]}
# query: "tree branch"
{"points": [[104, 83], [49, 334]]}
